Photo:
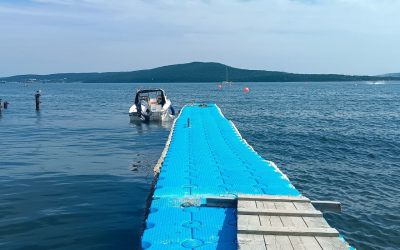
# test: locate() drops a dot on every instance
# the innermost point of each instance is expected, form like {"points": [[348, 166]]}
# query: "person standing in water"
{"points": [[37, 99]]}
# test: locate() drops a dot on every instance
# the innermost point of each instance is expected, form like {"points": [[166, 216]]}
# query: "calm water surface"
{"points": [[76, 174]]}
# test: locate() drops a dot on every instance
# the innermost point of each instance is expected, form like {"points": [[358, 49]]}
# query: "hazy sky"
{"points": [[306, 36]]}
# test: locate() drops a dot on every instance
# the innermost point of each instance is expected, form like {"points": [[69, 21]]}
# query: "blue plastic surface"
{"points": [[207, 158]]}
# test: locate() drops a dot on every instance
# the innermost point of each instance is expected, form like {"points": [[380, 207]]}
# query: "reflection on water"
{"points": [[76, 174], [38, 117], [144, 127]]}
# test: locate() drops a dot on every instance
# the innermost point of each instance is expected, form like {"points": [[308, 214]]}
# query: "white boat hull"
{"points": [[155, 116]]}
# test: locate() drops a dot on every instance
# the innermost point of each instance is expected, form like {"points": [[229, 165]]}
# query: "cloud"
{"points": [[292, 35]]}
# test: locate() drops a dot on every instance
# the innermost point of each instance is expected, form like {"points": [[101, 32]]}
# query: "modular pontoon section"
{"points": [[204, 169]]}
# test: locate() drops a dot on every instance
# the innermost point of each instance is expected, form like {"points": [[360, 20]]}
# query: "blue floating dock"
{"points": [[205, 157]]}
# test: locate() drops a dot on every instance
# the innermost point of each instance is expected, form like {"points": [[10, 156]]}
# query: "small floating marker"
{"points": [[219, 86], [246, 90]]}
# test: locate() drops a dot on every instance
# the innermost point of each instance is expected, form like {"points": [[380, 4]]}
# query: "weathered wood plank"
{"points": [[246, 204], [285, 205], [276, 221], [286, 231], [277, 242], [272, 198], [316, 222], [278, 212], [270, 221], [259, 204], [332, 206], [289, 221], [268, 204], [245, 220], [303, 206], [304, 243], [265, 220], [332, 243], [251, 242]]}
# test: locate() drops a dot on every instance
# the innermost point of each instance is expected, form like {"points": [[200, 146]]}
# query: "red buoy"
{"points": [[246, 90]]}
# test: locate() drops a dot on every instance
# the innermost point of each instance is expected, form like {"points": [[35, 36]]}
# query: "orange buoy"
{"points": [[246, 90]]}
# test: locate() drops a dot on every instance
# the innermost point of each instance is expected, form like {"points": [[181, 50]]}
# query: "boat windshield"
{"points": [[151, 96]]}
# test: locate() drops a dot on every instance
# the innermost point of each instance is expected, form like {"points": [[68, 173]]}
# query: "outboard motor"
{"points": [[144, 110]]}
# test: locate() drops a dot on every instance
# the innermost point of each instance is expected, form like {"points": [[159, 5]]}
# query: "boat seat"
{"points": [[155, 107]]}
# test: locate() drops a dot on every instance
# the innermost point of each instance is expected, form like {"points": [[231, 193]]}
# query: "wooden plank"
{"points": [[259, 204], [290, 221], [268, 204], [284, 205], [304, 243], [277, 242], [265, 220], [292, 231], [270, 221], [272, 198], [316, 222], [252, 246], [332, 243], [246, 204], [279, 212], [251, 242], [276, 221], [331, 206], [303, 206], [246, 220]]}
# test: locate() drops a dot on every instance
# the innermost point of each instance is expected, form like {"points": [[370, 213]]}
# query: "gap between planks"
{"points": [[288, 231]]}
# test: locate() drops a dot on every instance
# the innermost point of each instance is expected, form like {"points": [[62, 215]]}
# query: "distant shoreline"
{"points": [[217, 82], [196, 72]]}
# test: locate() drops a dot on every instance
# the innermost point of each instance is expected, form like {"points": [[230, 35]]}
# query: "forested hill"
{"points": [[392, 75], [193, 72]]}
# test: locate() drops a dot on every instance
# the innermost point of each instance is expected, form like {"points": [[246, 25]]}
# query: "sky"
{"points": [[300, 36]]}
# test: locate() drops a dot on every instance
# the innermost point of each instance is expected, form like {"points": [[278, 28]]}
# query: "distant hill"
{"points": [[392, 75], [192, 72]]}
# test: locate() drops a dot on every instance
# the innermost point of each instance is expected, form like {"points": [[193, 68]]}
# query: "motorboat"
{"points": [[151, 105]]}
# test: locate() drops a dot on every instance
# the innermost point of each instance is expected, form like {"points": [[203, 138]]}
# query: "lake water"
{"points": [[67, 178]]}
